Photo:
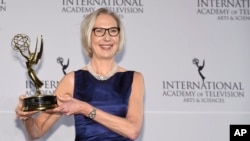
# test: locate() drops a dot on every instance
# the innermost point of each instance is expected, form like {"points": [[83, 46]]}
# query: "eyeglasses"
{"points": [[113, 31]]}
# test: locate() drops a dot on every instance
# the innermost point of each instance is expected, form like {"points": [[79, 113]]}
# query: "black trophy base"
{"points": [[39, 103]]}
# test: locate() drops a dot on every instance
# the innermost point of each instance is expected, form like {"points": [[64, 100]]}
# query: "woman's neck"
{"points": [[102, 67]]}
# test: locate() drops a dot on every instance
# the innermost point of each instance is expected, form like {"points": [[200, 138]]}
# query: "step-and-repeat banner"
{"points": [[193, 54]]}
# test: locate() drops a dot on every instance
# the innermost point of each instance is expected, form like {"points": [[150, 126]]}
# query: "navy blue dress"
{"points": [[110, 95]]}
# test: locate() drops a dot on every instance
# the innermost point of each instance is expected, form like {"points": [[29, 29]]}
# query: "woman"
{"points": [[105, 99]]}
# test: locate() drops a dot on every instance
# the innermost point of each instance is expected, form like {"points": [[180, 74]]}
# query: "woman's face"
{"points": [[105, 46]]}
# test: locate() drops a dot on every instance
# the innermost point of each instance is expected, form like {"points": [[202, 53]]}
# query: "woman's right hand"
{"points": [[20, 114]]}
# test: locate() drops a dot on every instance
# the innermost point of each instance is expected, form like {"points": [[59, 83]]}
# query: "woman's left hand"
{"points": [[67, 105]]}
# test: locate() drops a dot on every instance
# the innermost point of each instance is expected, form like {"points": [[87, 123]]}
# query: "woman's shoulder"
{"points": [[137, 74]]}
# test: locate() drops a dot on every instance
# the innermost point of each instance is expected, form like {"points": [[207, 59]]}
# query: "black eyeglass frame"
{"points": [[106, 29]]}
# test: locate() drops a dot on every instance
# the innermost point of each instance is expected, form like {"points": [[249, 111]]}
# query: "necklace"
{"points": [[102, 77]]}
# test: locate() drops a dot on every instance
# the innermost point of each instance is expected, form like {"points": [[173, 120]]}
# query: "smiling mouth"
{"points": [[106, 47]]}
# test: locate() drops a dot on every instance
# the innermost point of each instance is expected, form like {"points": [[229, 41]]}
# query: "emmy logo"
{"points": [[200, 68], [64, 67], [39, 101]]}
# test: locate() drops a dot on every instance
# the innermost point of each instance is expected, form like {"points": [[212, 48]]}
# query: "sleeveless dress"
{"points": [[111, 95]]}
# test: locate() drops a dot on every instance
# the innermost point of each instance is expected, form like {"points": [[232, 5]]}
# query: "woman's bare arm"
{"points": [[37, 125]]}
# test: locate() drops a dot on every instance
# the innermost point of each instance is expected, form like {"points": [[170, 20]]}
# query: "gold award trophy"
{"points": [[38, 101]]}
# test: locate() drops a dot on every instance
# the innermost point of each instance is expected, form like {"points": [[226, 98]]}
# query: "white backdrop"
{"points": [[162, 39]]}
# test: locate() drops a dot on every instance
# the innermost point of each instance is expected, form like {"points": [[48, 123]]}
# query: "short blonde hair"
{"points": [[87, 27]]}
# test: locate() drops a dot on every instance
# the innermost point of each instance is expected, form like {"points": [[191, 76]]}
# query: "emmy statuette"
{"points": [[38, 101]]}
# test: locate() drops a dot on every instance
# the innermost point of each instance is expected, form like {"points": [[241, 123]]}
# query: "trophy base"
{"points": [[39, 103]]}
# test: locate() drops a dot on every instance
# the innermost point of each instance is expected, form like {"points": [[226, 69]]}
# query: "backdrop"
{"points": [[194, 56]]}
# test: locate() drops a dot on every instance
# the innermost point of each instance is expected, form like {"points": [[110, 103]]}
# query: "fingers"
{"points": [[18, 109], [63, 98], [62, 102], [66, 104], [63, 109], [20, 101], [20, 114], [57, 110], [24, 115]]}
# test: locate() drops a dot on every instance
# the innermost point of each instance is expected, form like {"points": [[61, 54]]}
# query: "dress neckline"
{"points": [[116, 73]]}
